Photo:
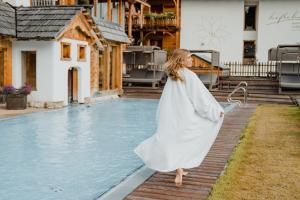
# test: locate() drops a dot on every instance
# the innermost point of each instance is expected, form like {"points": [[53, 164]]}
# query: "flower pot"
{"points": [[2, 98], [16, 102]]}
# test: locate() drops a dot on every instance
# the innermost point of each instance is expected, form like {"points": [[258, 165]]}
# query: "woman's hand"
{"points": [[221, 114]]}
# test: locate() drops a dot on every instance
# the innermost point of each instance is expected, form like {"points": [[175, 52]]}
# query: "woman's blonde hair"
{"points": [[175, 63]]}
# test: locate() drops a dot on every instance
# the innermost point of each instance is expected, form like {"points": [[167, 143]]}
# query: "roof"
{"points": [[7, 19], [142, 48], [43, 22], [112, 31]]}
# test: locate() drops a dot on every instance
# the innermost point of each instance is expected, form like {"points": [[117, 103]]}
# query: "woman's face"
{"points": [[188, 61]]}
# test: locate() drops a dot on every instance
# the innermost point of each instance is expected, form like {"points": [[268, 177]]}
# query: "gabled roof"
{"points": [[112, 31], [7, 20], [43, 22], [46, 23]]}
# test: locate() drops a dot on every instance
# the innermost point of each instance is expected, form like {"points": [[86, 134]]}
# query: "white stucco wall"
{"points": [[214, 24], [44, 68], [18, 2], [51, 71], [279, 23], [61, 70]]}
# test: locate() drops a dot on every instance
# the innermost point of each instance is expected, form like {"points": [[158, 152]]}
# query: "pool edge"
{"points": [[120, 191]]}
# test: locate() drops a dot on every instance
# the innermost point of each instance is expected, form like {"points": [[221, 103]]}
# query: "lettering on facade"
{"points": [[293, 18]]}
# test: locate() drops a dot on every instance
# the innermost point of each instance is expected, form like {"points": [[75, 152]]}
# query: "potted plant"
{"points": [[2, 96], [16, 99]]}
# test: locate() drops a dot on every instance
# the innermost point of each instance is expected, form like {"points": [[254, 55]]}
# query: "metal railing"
{"points": [[239, 87], [37, 3], [258, 69]]}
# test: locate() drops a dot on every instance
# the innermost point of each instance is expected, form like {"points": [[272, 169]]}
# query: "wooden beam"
{"points": [[120, 13], [143, 3], [131, 7], [109, 16], [175, 3]]}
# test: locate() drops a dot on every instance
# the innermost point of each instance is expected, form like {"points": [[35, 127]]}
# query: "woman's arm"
{"points": [[202, 100]]}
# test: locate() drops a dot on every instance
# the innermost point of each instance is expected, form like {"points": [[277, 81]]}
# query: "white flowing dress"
{"points": [[188, 122]]}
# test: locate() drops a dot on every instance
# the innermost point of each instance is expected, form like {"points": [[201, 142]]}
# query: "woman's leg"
{"points": [[178, 178]]}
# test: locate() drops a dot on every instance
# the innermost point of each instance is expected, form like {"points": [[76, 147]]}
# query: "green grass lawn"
{"points": [[266, 162]]}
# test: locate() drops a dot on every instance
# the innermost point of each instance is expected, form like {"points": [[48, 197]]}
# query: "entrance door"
{"points": [[73, 85]]}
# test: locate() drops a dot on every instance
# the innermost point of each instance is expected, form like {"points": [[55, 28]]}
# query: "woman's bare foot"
{"points": [[178, 178], [184, 173]]}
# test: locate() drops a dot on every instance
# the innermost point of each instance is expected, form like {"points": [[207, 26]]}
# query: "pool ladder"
{"points": [[237, 88]]}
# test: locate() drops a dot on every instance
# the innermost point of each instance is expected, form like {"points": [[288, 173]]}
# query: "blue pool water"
{"points": [[73, 153]]}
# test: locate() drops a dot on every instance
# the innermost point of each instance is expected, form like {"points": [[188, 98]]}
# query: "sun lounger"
{"points": [[206, 79], [144, 76], [287, 81]]}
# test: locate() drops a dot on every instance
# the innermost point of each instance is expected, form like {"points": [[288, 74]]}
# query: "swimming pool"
{"points": [[74, 153]]}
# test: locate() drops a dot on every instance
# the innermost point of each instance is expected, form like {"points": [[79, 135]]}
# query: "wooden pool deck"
{"points": [[200, 180]]}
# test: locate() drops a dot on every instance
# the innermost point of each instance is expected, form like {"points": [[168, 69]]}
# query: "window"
{"points": [[81, 55], [65, 51], [249, 52], [29, 68], [250, 18]]}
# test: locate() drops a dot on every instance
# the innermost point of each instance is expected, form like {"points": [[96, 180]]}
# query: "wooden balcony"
{"points": [[149, 23]]}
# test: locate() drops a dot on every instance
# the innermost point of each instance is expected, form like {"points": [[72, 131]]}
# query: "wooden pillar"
{"points": [[114, 67], [178, 23], [6, 49], [142, 16], [177, 13], [106, 70], [120, 54], [118, 68], [177, 39], [130, 20], [109, 16], [142, 37], [96, 8], [120, 11]]}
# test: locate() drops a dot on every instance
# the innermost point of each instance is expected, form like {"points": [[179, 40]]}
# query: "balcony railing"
{"points": [[43, 3], [154, 21]]}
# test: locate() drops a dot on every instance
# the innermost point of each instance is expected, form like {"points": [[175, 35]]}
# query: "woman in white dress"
{"points": [[188, 120]]}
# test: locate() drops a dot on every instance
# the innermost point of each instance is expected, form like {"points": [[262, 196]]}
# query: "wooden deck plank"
{"points": [[200, 180]]}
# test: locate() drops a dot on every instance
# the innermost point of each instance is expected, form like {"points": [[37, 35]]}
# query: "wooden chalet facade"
{"points": [[86, 44], [7, 35], [156, 24], [52, 54], [106, 69]]}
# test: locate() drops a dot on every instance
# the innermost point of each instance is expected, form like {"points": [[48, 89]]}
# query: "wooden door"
{"points": [[72, 85], [1, 68]]}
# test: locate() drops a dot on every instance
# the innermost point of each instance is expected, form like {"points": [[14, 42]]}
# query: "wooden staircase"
{"points": [[260, 90]]}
